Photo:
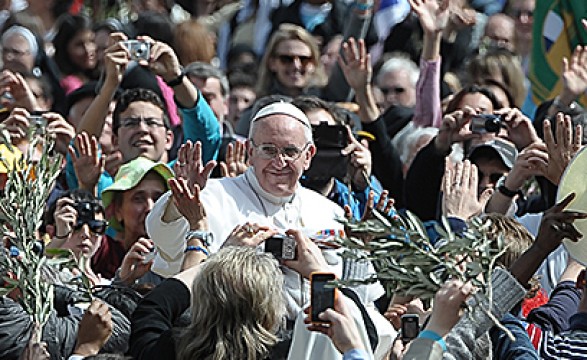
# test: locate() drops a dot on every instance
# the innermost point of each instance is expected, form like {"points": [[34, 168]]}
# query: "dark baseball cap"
{"points": [[506, 151]]}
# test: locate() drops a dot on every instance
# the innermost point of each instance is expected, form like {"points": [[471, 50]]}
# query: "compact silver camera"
{"points": [[281, 246], [486, 123], [139, 50], [37, 124]]}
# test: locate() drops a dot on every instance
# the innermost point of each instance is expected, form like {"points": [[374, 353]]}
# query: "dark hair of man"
{"points": [[133, 95], [241, 79], [312, 103]]}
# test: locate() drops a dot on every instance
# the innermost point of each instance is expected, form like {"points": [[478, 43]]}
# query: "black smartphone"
{"points": [[410, 327], [283, 247], [322, 296], [328, 162]]}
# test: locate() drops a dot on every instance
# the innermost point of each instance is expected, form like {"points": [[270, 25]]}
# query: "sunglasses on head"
{"points": [[96, 226], [393, 89], [289, 59]]}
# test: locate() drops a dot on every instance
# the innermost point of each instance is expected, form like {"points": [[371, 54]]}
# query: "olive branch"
{"points": [[407, 263]]}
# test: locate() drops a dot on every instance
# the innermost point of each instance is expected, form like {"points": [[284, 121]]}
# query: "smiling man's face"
{"points": [[148, 137], [279, 176]]}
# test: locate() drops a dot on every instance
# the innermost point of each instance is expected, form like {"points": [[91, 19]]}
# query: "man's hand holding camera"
{"points": [[309, 257], [453, 130], [65, 219], [135, 263], [519, 127]]}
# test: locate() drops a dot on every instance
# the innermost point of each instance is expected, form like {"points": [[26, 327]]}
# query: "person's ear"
{"points": [[168, 140], [309, 155]]}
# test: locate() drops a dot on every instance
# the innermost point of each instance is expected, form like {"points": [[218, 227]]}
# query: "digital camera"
{"points": [[37, 124], [486, 123], [281, 246], [139, 50]]}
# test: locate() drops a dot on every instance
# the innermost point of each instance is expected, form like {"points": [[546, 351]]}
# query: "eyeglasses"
{"points": [[270, 151], [393, 89], [96, 226], [136, 121], [289, 59]]}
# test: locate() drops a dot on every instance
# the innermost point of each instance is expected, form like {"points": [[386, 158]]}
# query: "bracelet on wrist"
{"points": [[62, 237], [197, 249], [177, 81], [429, 334]]}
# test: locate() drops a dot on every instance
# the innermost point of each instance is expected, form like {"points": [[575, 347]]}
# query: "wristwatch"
{"points": [[205, 237], [500, 185], [178, 80]]}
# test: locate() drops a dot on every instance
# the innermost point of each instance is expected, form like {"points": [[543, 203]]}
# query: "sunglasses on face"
{"points": [[393, 89], [290, 59], [97, 227]]}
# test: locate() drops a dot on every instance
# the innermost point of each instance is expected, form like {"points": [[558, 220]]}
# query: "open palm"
{"points": [[433, 14]]}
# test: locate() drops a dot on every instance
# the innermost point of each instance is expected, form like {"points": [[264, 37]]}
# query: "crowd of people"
{"points": [[192, 133]]}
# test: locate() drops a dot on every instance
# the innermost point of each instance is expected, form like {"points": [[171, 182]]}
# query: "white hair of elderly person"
{"points": [[280, 148]]}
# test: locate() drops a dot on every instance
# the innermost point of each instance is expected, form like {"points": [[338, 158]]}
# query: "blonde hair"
{"points": [[237, 307], [515, 236], [193, 42], [289, 32], [503, 66]]}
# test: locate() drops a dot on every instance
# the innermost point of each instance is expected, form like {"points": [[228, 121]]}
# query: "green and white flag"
{"points": [[557, 31]]}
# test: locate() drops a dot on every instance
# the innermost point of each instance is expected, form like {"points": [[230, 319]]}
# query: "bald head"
{"points": [[500, 31]]}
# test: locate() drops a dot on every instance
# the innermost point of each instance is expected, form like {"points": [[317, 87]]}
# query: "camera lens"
{"points": [[493, 124]]}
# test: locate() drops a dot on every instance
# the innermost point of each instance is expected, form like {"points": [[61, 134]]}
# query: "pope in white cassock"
{"points": [[280, 148]]}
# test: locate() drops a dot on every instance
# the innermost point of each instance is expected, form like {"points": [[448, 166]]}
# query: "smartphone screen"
{"points": [[322, 295], [410, 327]]}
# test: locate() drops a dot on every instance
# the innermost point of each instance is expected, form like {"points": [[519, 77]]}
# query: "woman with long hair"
{"points": [[75, 51]]}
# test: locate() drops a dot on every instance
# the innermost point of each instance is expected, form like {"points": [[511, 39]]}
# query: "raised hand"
{"points": [[189, 165], [519, 127], [89, 164], [65, 219], [342, 329], [116, 58], [433, 14], [163, 60], [556, 225], [360, 161], [249, 234], [133, 265], [447, 306], [453, 129], [236, 163], [355, 64], [17, 125], [60, 130], [575, 74], [20, 90], [309, 257], [460, 187], [187, 201], [561, 150], [94, 329]]}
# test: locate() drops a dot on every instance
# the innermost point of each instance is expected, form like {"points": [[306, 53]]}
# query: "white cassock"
{"points": [[234, 201]]}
